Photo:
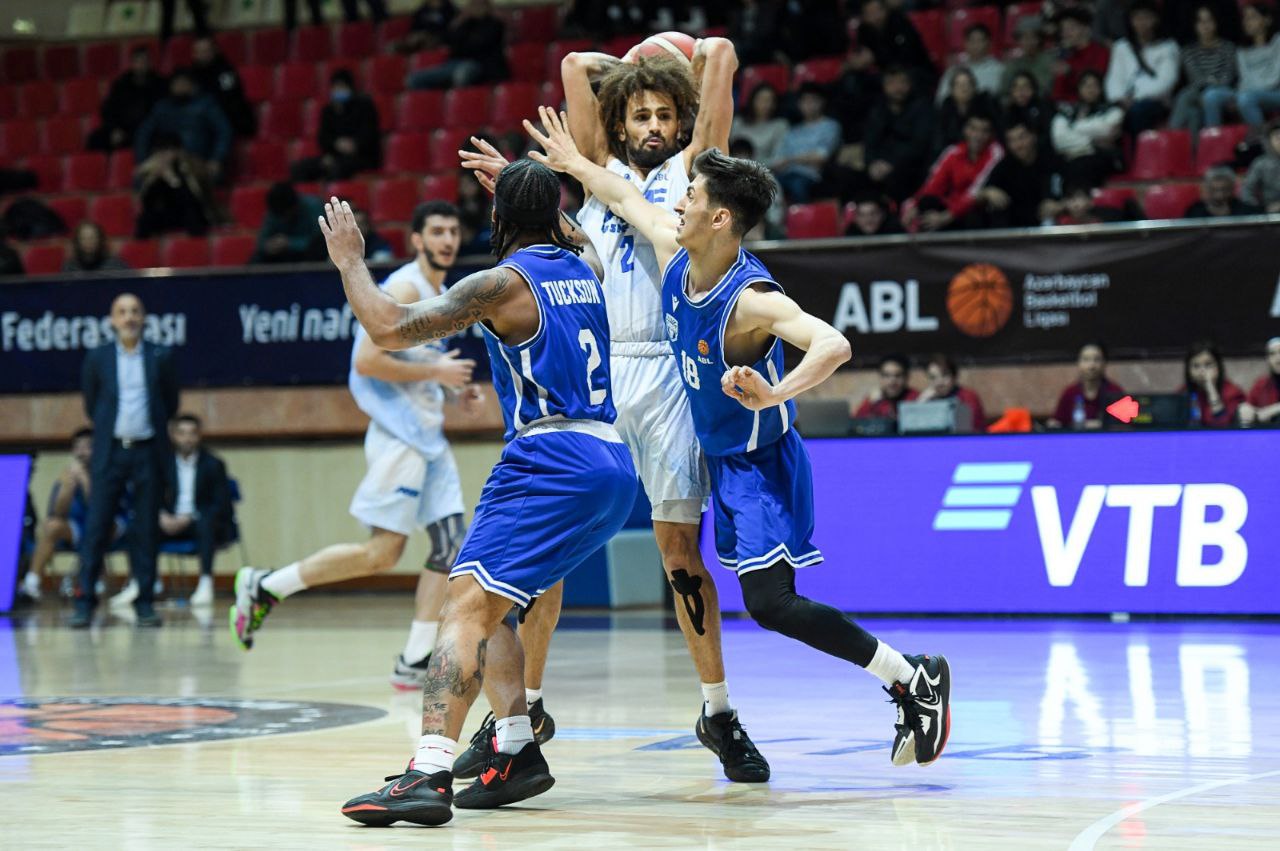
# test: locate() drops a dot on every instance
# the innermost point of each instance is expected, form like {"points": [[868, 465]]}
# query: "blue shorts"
{"points": [[763, 504], [552, 500]]}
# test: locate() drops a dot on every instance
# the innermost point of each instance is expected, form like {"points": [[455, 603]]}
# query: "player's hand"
{"points": [[452, 371], [556, 141], [472, 399], [749, 387], [485, 163], [341, 234]]}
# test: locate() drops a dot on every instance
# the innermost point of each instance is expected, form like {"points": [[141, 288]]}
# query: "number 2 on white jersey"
{"points": [[627, 260], [587, 342]]}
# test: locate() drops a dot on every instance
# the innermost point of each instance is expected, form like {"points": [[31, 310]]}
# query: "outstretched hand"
{"points": [[555, 139], [341, 234], [485, 162], [749, 387]]}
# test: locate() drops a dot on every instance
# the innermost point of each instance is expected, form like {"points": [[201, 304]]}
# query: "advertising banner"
{"points": [[1167, 522], [14, 470]]}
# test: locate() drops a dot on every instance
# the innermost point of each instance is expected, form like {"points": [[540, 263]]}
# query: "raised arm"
{"points": [[718, 62], [577, 72], [450, 371]]}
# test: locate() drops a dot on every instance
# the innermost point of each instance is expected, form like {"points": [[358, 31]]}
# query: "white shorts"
{"points": [[403, 489], [656, 424]]}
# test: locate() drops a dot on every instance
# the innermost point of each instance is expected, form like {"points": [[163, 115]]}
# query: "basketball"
{"points": [[674, 44], [979, 300]]}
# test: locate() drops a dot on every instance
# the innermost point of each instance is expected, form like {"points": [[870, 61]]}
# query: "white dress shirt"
{"points": [[133, 420], [186, 502]]}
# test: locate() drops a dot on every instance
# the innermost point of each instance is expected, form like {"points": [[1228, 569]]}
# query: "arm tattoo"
{"points": [[457, 309]]}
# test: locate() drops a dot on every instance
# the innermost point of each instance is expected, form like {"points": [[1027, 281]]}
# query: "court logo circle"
{"points": [[979, 300]]}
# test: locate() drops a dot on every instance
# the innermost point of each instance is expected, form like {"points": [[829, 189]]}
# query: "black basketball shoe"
{"points": [[507, 778], [472, 761], [924, 711], [412, 796], [723, 735]]}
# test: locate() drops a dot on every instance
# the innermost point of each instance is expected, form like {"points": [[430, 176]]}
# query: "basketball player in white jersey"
{"points": [[412, 480]]}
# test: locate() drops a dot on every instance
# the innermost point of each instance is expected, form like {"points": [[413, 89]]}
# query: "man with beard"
{"points": [[412, 480]]}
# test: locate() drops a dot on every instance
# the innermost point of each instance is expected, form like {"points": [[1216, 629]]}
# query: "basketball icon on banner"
{"points": [[979, 300]]}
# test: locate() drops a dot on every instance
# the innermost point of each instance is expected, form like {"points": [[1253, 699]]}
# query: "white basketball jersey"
{"points": [[632, 278]]}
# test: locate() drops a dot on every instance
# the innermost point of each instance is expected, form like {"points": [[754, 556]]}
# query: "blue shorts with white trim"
{"points": [[763, 503], [552, 500]]}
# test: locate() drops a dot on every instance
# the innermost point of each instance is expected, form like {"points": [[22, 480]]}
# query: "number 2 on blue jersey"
{"points": [[587, 342], [627, 261]]}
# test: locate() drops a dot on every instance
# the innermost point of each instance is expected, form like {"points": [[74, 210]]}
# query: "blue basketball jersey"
{"points": [[562, 372], [696, 331]]}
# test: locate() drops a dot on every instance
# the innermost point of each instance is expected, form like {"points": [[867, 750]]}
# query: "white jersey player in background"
{"points": [[412, 480]]}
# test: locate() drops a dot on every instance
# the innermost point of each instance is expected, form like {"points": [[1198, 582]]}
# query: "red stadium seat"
{"points": [[960, 20], [355, 192], [813, 221], [1170, 200], [533, 23], [269, 47], [1218, 146], [280, 120], [511, 104], [303, 148], [37, 100], [396, 237], [234, 45], [558, 50], [64, 136], [296, 81], [356, 40], [44, 259], [527, 62], [312, 44], [61, 61], [50, 171], [265, 161], [20, 64], [445, 145], [233, 249], [466, 107], [552, 93], [114, 212], [931, 25], [1161, 154], [185, 252], [386, 105], [1115, 197], [120, 170], [385, 75], [441, 187], [393, 30], [72, 208], [103, 59], [19, 138], [140, 253], [620, 44], [420, 110], [258, 81], [313, 190], [821, 70], [428, 58], [311, 111], [177, 53], [407, 152], [249, 205], [394, 199], [80, 97], [8, 102], [778, 76]]}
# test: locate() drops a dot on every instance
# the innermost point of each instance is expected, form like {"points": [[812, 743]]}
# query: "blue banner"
{"points": [[14, 470]]}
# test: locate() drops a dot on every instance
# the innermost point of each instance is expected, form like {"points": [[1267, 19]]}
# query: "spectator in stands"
{"points": [[753, 29], [1077, 53], [1212, 400], [1018, 187], [1031, 57], [289, 233], [899, 136], [196, 503], [1077, 208], [1026, 106], [949, 197], [871, 217], [348, 137], [376, 249], [758, 122], [216, 76], [943, 384], [175, 190], [1218, 197], [807, 146], [90, 252], [10, 260], [853, 94], [476, 51], [1209, 62], [428, 27], [194, 118], [475, 215], [894, 371], [1258, 62], [810, 28], [1082, 404], [1263, 405], [132, 97], [964, 101], [1262, 182], [1143, 70], [987, 71], [1110, 20], [291, 13], [892, 41], [1086, 135]]}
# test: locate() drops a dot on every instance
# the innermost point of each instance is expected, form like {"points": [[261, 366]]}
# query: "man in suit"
{"points": [[130, 392], [197, 500]]}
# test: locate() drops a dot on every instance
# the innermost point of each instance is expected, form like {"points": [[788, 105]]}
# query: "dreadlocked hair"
{"points": [[526, 200], [664, 74]]}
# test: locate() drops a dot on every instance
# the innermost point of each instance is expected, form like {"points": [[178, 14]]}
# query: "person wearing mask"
{"points": [[759, 123], [1258, 64], [893, 373], [899, 136], [987, 71], [943, 384], [1262, 181], [349, 139], [132, 97], [1018, 187], [1218, 197], [949, 197], [1143, 70], [1078, 53], [807, 147], [1086, 135], [888, 39], [1082, 405], [175, 191], [217, 77], [871, 217], [1263, 404], [194, 118], [1209, 62], [964, 101], [289, 233], [476, 51], [1031, 57], [197, 504], [130, 390], [1212, 400], [90, 252]]}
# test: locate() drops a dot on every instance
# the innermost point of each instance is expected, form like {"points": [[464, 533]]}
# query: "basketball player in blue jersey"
{"points": [[725, 316], [562, 488]]}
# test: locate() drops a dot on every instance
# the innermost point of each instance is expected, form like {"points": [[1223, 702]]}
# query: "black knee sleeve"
{"points": [[446, 539], [771, 600], [767, 595]]}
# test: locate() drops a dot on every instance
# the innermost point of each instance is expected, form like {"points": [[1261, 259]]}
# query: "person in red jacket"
{"points": [[1082, 404], [1263, 405], [1078, 53], [943, 385], [1213, 401], [893, 389], [950, 194]]}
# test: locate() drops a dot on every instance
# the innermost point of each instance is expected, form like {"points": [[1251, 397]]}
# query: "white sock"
{"points": [[422, 640], [435, 753], [890, 665], [284, 582], [715, 698], [514, 733], [532, 695]]}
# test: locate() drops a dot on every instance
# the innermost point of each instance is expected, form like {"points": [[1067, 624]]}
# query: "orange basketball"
{"points": [[673, 44], [979, 300]]}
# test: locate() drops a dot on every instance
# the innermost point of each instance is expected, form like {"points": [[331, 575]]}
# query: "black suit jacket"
{"points": [[102, 394], [213, 488]]}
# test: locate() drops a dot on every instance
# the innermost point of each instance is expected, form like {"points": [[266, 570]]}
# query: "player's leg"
{"points": [[446, 537], [53, 531], [109, 480]]}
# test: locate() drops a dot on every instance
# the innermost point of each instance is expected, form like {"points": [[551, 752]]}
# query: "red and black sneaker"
{"points": [[506, 779], [413, 796]]}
